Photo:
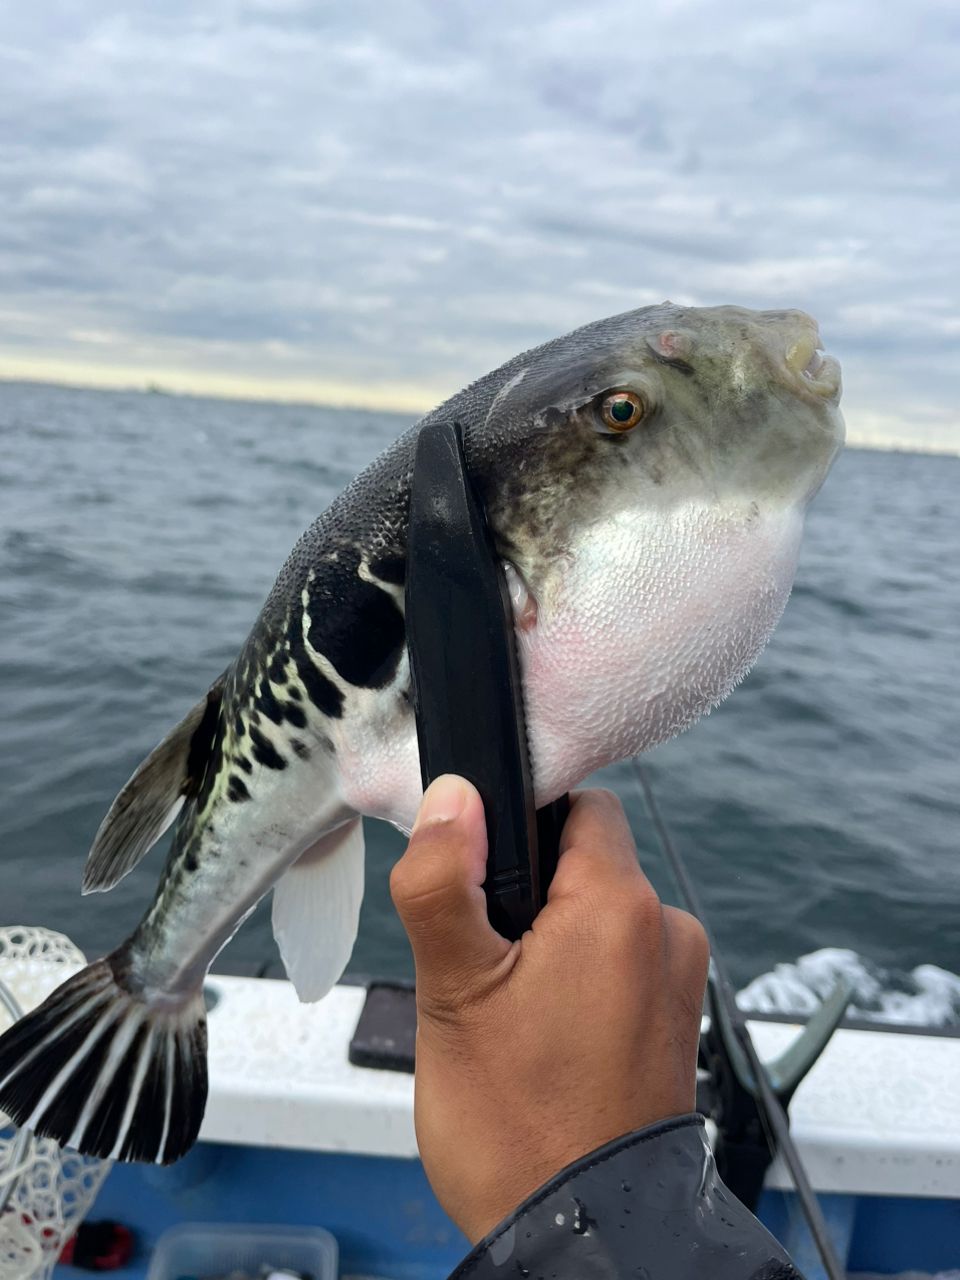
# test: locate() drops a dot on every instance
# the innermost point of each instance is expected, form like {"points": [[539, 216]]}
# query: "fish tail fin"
{"points": [[103, 1070]]}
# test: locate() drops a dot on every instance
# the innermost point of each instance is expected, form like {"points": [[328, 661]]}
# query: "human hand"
{"points": [[533, 1053]]}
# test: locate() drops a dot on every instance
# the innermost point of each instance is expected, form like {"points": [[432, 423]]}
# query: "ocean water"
{"points": [[818, 808]]}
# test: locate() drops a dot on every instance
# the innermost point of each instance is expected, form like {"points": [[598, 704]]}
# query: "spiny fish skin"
{"points": [[650, 566]]}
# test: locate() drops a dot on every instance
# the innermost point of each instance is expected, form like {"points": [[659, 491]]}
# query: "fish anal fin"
{"points": [[316, 910], [149, 802]]}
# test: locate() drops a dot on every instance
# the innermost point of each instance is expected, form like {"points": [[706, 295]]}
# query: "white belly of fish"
{"points": [[654, 621], [650, 621]]}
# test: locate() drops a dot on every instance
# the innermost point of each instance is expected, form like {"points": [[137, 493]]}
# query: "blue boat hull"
{"points": [[388, 1223]]}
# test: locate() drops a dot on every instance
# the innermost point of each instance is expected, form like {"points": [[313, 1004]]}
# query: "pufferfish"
{"points": [[645, 480]]}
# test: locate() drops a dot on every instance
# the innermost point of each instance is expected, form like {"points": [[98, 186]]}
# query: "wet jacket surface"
{"points": [[648, 1206]]}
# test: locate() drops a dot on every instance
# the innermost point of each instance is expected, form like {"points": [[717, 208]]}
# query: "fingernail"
{"points": [[443, 801]]}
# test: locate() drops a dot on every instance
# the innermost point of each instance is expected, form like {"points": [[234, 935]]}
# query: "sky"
{"points": [[372, 203]]}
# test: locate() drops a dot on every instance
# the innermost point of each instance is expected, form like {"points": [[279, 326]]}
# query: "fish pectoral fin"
{"points": [[316, 910], [153, 797]]}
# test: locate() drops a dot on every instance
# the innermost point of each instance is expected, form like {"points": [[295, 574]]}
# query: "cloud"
{"points": [[381, 202]]}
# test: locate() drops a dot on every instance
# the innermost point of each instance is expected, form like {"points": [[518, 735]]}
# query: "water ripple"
{"points": [[818, 808]]}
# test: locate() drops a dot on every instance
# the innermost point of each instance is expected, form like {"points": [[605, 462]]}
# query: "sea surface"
{"points": [[819, 808]]}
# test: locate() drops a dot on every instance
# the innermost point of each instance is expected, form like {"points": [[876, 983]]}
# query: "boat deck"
{"points": [[294, 1134]]}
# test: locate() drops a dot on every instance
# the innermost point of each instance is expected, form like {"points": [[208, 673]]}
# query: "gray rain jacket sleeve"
{"points": [[649, 1206]]}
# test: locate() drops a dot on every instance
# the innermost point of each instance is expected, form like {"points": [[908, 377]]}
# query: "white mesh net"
{"points": [[45, 1192]]}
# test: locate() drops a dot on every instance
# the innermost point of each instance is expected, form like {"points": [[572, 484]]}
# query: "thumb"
{"points": [[437, 890]]}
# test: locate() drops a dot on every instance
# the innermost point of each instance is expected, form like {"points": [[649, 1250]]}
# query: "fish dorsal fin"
{"points": [[316, 910], [153, 797]]}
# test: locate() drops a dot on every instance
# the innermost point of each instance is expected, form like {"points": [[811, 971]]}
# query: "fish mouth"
{"points": [[809, 366]]}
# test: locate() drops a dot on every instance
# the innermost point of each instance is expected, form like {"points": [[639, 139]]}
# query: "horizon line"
{"points": [[322, 393], [402, 402]]}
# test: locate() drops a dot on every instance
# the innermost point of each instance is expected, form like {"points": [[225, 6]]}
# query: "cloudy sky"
{"points": [[374, 201]]}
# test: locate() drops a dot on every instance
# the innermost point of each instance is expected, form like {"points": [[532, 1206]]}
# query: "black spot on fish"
{"points": [[294, 693], [278, 669], [190, 860], [361, 634], [268, 703], [237, 789], [240, 725], [391, 569], [203, 742], [294, 714], [300, 748], [265, 752], [244, 764], [323, 693], [212, 768]]}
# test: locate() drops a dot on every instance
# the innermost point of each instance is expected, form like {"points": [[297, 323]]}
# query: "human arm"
{"points": [[554, 1071]]}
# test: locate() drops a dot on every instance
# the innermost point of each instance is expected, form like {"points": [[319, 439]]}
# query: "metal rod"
{"points": [[8, 1000], [772, 1114]]}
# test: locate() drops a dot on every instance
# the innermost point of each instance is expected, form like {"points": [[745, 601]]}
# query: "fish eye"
{"points": [[622, 410]]}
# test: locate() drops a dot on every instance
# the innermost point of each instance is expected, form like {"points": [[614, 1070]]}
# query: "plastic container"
{"points": [[216, 1249]]}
